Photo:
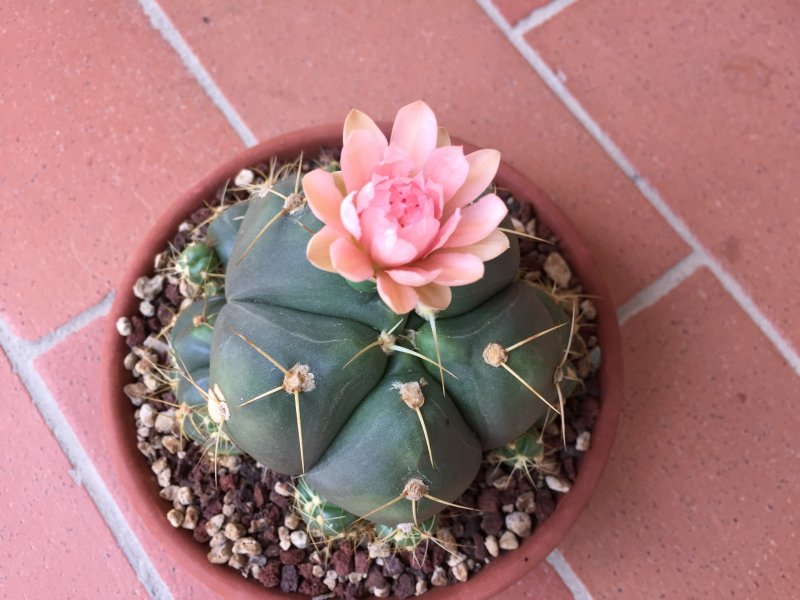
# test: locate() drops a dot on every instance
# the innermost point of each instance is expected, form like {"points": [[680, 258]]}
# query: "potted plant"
{"points": [[361, 328]]}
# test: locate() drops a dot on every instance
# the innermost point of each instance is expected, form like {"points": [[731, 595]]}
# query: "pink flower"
{"points": [[406, 213]]}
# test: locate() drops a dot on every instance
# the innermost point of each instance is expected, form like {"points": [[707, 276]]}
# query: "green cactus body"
{"points": [[323, 519], [196, 261], [321, 378]]}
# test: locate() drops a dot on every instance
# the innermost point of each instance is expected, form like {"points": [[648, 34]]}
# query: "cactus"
{"points": [[318, 378]]}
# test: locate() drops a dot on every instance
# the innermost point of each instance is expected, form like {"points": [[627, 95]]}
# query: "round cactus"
{"points": [[322, 379]]}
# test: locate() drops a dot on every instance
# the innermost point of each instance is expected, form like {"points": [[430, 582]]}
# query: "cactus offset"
{"points": [[385, 414]]}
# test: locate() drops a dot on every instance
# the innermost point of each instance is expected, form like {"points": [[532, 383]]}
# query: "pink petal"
{"points": [[420, 234], [478, 220], [323, 197], [400, 298], [415, 131], [457, 268], [358, 120], [388, 250], [435, 296], [360, 153], [350, 261], [349, 216], [482, 169], [412, 277], [489, 247], [447, 229], [448, 167], [318, 250]]}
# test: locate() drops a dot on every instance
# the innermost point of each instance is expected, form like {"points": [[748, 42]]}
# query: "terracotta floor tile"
{"points": [[478, 84], [542, 583], [699, 499], [101, 127], [703, 97], [51, 535], [70, 371], [514, 10]]}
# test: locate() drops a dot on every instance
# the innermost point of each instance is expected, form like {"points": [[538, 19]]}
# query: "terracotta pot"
{"points": [[138, 482]]}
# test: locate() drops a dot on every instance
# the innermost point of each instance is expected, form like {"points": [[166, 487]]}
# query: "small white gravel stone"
{"points": [[584, 441], [291, 521], [507, 508], [214, 524], [164, 423], [299, 539], [519, 523], [171, 444], [317, 571], [460, 572], [147, 288], [557, 484], [455, 559], [169, 492], [285, 539], [230, 462], [150, 382], [247, 546], [491, 545], [159, 465], [439, 577], [588, 309], [421, 588], [379, 550], [185, 495], [508, 541], [147, 415], [219, 555], [130, 360], [282, 488], [355, 577], [330, 580], [191, 517], [124, 326], [233, 531], [218, 539], [147, 308], [526, 502], [557, 269], [238, 561], [382, 592], [244, 177], [164, 478], [175, 517], [447, 539]]}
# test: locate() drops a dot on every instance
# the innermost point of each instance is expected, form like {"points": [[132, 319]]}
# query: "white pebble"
{"points": [[164, 478], [439, 577], [491, 545], [379, 550], [191, 517], [214, 524], [185, 495], [377, 592], [247, 546], [460, 572], [244, 177], [219, 555], [130, 360], [519, 523], [557, 484], [422, 587], [147, 415], [164, 423], [283, 488], [330, 580], [291, 521], [456, 559], [175, 517], [233, 531], [508, 541], [147, 308], [299, 538], [124, 326], [285, 539], [583, 442], [557, 269]]}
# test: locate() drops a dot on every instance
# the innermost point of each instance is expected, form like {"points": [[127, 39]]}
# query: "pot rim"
{"points": [[141, 489]]}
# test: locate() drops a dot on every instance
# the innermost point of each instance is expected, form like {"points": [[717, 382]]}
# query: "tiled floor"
{"points": [[668, 132]]}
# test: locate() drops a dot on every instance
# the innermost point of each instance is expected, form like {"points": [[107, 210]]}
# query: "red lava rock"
{"points": [[489, 500], [164, 314], [375, 578], [362, 561], [492, 522], [270, 574], [292, 556], [289, 579], [278, 500], [545, 504], [199, 533], [227, 482], [258, 496], [405, 586], [312, 587], [478, 548], [138, 333], [173, 295], [341, 561], [305, 570]]}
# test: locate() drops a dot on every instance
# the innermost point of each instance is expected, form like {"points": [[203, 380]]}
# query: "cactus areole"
{"points": [[372, 335]]}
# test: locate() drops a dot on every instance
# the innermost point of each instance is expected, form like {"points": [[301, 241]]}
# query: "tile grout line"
{"points": [[541, 15], [21, 354], [163, 24], [557, 87], [560, 565], [660, 287]]}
